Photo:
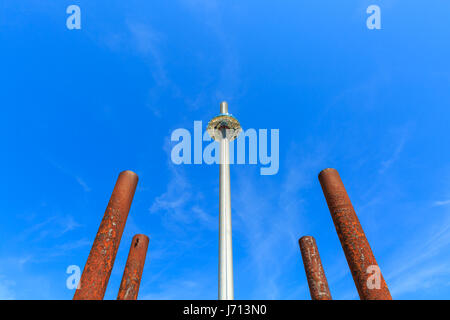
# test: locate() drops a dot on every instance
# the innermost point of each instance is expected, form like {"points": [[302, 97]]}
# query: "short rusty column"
{"points": [[100, 262], [317, 282], [129, 287], [365, 271]]}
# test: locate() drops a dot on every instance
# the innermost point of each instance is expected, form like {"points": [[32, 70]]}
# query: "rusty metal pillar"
{"points": [[317, 282], [100, 262], [129, 287], [365, 271]]}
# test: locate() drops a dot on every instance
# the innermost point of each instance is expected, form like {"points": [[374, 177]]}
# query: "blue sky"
{"points": [[79, 106]]}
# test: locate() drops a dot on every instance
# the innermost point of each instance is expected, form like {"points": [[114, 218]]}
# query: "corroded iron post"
{"points": [[317, 282], [365, 271], [129, 287], [100, 262]]}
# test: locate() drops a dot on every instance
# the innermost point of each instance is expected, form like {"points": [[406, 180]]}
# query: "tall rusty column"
{"points": [[365, 271], [129, 287], [100, 262], [317, 282]]}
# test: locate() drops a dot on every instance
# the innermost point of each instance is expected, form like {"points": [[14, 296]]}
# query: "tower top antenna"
{"points": [[223, 107]]}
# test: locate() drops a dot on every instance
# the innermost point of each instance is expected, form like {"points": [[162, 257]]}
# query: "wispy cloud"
{"points": [[7, 289], [176, 198], [69, 246], [150, 44], [423, 261], [441, 203], [401, 137], [147, 41], [82, 183], [422, 278], [18, 282], [181, 202], [53, 227], [272, 221], [192, 285], [229, 85], [68, 172], [180, 209], [41, 242]]}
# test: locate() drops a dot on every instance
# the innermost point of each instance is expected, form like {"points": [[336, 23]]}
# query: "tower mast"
{"points": [[225, 128]]}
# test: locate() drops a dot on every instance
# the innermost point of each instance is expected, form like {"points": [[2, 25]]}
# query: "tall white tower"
{"points": [[225, 128]]}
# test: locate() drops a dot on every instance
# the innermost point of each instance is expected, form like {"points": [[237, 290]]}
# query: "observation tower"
{"points": [[225, 128]]}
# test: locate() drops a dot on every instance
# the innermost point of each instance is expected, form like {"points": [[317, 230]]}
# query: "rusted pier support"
{"points": [[365, 271], [129, 287], [318, 285], [100, 262]]}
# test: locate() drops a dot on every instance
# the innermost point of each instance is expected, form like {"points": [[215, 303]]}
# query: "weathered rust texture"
{"points": [[129, 287], [353, 240], [100, 262], [318, 285]]}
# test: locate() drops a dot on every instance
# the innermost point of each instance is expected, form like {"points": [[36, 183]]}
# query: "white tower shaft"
{"points": [[225, 128], [226, 286]]}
